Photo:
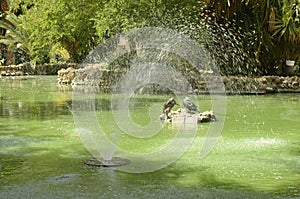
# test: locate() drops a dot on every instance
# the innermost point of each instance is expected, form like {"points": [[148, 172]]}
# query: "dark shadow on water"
{"points": [[54, 175]]}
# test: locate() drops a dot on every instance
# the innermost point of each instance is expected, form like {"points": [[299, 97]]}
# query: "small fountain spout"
{"points": [[113, 162]]}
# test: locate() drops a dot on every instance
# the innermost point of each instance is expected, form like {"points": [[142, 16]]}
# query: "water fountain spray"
{"points": [[157, 60]]}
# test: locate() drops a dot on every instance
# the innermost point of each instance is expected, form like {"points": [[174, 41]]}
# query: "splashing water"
{"points": [[225, 40], [159, 55], [170, 60]]}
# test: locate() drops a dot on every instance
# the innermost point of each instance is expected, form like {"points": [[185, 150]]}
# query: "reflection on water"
{"points": [[32, 110], [41, 155]]}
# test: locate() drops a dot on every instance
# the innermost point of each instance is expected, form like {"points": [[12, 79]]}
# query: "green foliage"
{"points": [[288, 24], [264, 24], [2, 61], [15, 4], [287, 28], [15, 36], [122, 15], [118, 16], [61, 24], [70, 29]]}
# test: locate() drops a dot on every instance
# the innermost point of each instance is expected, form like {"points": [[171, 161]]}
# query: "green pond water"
{"points": [[41, 155]]}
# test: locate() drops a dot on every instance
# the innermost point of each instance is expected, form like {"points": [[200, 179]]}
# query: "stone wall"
{"points": [[261, 85], [29, 69], [84, 75], [233, 84]]}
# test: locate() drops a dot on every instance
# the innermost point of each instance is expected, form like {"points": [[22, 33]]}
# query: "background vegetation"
{"points": [[248, 37]]}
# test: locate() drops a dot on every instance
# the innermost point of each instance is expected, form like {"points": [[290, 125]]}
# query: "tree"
{"points": [[254, 20], [118, 16], [122, 15], [247, 31], [287, 28], [55, 25], [15, 37]]}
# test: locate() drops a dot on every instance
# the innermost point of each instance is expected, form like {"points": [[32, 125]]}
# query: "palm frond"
{"points": [[15, 36]]}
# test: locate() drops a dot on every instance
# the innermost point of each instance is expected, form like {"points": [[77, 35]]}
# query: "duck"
{"points": [[189, 105], [168, 105]]}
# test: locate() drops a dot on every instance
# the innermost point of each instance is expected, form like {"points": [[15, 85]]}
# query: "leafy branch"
{"points": [[15, 37]]}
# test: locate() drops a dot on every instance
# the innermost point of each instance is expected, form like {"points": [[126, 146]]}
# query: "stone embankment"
{"points": [[232, 84], [261, 85], [29, 69]]}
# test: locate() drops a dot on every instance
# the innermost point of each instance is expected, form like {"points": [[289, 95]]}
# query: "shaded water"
{"points": [[41, 156]]}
